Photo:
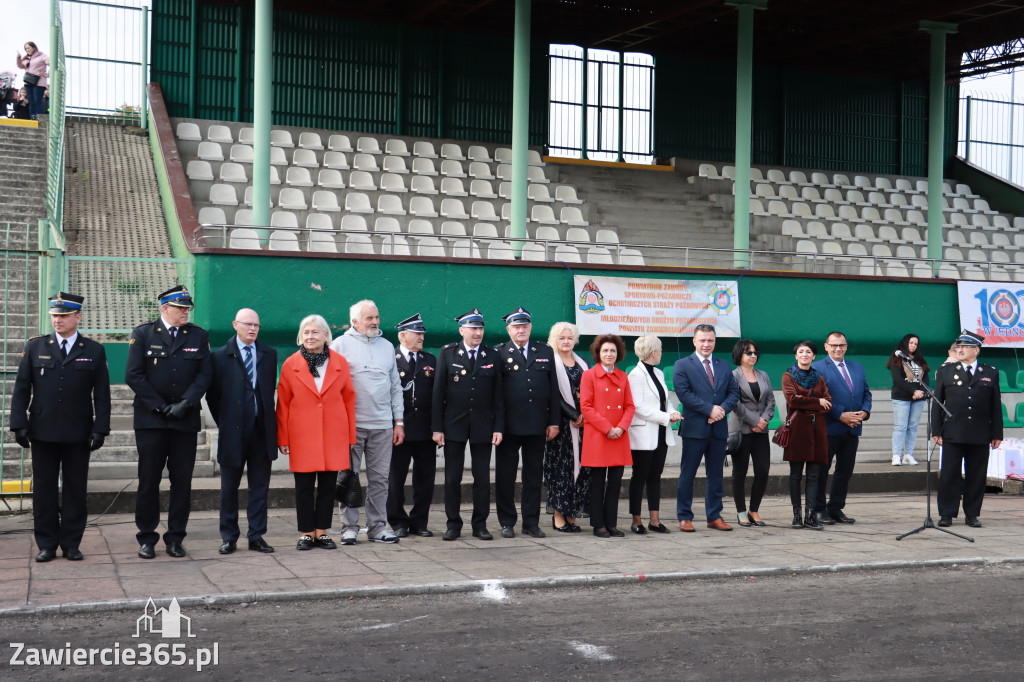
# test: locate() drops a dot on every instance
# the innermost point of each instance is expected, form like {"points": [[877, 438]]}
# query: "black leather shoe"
{"points": [[508, 532], [402, 532], [175, 549], [945, 521], [228, 547], [660, 528], [305, 542], [535, 532], [325, 542], [75, 554], [973, 522], [485, 534], [638, 529], [46, 555], [260, 545], [615, 532], [573, 528], [840, 517], [451, 534], [422, 532], [602, 533], [147, 552], [824, 517]]}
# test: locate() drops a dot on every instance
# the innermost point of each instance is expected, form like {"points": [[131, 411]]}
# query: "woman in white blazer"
{"points": [[649, 433], [750, 418]]}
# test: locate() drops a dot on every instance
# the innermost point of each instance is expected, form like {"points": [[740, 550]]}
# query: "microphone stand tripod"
{"points": [[928, 523]]}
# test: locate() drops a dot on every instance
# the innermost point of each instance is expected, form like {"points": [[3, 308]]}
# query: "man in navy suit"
{"points": [[708, 392], [241, 400], [851, 406]]}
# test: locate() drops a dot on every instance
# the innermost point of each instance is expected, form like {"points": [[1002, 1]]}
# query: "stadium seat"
{"points": [[538, 193], [729, 172], [336, 160], [970, 271], [359, 244], [422, 184], [977, 256], [299, 177], [389, 204], [1001, 241], [798, 178], [223, 195], [395, 164], [821, 180], [452, 168], [310, 140], [478, 153], [505, 190], [870, 214], [566, 194], [211, 215], [980, 221], [881, 251], [979, 239], [922, 270], [862, 182], [500, 251], [284, 219], [424, 166], [536, 174], [598, 255], [320, 242], [849, 214], [903, 185], [243, 217], [361, 180], [483, 210], [948, 271], [898, 200], [887, 233], [533, 158], [541, 214], [948, 253], [533, 251], [465, 248], [577, 235], [305, 158], [792, 228], [198, 169], [878, 199], [452, 151], [368, 145], [395, 147], [824, 211], [246, 136], [835, 196], [324, 200], [999, 256], [430, 247], [545, 232], [481, 230], [386, 224], [896, 269], [707, 170], [422, 207], [955, 237], [355, 202], [480, 171], [959, 220], [453, 187], [339, 143], [842, 231], [506, 212], [631, 257], [453, 208], [810, 193], [905, 251], [292, 198], [353, 223], [503, 155], [283, 241], [894, 217], [1000, 222], [776, 176], [482, 189], [330, 179], [817, 230], [241, 153], [806, 246], [453, 228], [832, 249], [962, 205], [365, 162], [776, 207], [915, 217], [504, 171], [281, 138], [277, 157], [418, 226], [319, 221], [188, 132], [865, 233], [394, 245], [390, 182], [424, 150], [244, 238], [248, 197], [756, 208], [764, 191], [210, 151], [919, 201]]}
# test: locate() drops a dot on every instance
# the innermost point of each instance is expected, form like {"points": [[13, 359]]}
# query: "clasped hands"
{"points": [[175, 410], [851, 419]]}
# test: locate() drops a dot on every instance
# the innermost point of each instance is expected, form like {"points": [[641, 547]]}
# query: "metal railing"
{"points": [[991, 135]]}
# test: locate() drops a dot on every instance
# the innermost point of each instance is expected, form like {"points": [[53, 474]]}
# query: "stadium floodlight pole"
{"points": [[143, 64], [744, 117], [520, 122], [263, 79], [936, 133]]}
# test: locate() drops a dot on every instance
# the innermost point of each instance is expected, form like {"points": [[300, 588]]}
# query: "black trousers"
{"points": [[974, 461], [59, 517], [423, 457], [812, 486], [314, 499], [842, 449], [648, 466], [605, 487], [753, 447], [257, 468], [177, 451], [506, 466], [480, 463]]}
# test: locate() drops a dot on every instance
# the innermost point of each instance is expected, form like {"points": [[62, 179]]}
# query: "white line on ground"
{"points": [[383, 626], [592, 651]]}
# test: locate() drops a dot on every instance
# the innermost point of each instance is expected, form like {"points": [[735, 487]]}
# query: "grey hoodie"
{"points": [[374, 376]]}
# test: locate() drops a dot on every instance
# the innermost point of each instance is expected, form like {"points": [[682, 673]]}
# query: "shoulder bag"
{"points": [[30, 78], [781, 437]]}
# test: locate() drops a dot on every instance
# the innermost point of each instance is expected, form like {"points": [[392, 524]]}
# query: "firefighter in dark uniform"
{"points": [[65, 375], [467, 407], [416, 372], [169, 368], [532, 413], [970, 391]]}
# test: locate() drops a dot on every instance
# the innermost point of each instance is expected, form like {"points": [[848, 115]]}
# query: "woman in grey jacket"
{"points": [[750, 418]]}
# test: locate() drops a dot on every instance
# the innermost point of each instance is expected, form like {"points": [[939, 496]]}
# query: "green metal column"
{"points": [[193, 48], [744, 117], [622, 98], [520, 120], [144, 63], [239, 61], [936, 133], [263, 79], [400, 81]]}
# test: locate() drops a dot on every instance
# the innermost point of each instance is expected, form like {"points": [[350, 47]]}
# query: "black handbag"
{"points": [[732, 445], [569, 410], [30, 78], [349, 491]]}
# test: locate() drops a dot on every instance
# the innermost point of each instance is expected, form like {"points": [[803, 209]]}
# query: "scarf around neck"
{"points": [[806, 378], [313, 360]]}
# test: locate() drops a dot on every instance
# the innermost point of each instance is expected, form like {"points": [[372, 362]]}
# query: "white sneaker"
{"points": [[909, 460], [349, 537], [896, 460]]}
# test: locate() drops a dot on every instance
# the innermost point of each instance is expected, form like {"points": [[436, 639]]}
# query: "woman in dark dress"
{"points": [[568, 482]]}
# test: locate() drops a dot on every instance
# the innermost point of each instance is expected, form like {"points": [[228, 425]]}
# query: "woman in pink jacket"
{"points": [[607, 407], [36, 66]]}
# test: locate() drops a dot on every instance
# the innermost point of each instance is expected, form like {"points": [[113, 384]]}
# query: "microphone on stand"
{"points": [[903, 356]]}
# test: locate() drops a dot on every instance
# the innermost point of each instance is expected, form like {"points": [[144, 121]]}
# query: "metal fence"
{"points": [[992, 135], [616, 123]]}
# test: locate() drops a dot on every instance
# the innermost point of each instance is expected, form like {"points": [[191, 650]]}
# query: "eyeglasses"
{"points": [[837, 345], [250, 325], [755, 353]]}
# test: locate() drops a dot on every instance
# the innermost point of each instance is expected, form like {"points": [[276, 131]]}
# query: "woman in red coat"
{"points": [[316, 426], [807, 401], [607, 407]]}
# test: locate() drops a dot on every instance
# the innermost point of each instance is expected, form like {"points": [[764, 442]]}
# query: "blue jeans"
{"points": [[35, 99], [906, 416]]}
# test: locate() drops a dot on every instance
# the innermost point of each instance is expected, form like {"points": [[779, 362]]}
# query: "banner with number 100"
{"points": [[993, 309]]}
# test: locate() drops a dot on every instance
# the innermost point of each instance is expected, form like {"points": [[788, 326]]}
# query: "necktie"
{"points": [[174, 332], [846, 376], [250, 366], [711, 376], [472, 360], [522, 350], [412, 364], [64, 348], [967, 368]]}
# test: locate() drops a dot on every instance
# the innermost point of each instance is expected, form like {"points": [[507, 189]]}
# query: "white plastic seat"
{"points": [[915, 217], [453, 187], [999, 256], [506, 212], [292, 198], [299, 177], [249, 191], [352, 223], [339, 143], [841, 231], [533, 158], [835, 196], [958, 220], [277, 157], [577, 235], [788, 192], [977, 256], [505, 189], [244, 238], [919, 201], [241, 153], [478, 153], [962, 205], [305, 158], [806, 246], [283, 241], [281, 138], [865, 233], [453, 208], [386, 224], [452, 169], [567, 254], [952, 253], [284, 219], [430, 247], [320, 242], [971, 272], [567, 194], [424, 149], [361, 180], [533, 252], [485, 230], [979, 239], [210, 151], [480, 170], [821, 180], [776, 176], [453, 228], [424, 166], [452, 151], [395, 164], [538, 193], [197, 169], [310, 140], [365, 162], [982, 206], [394, 245], [1001, 241], [979, 220], [422, 184], [324, 200], [246, 136], [395, 147], [483, 210], [849, 214], [792, 228], [368, 145], [824, 211], [881, 251], [243, 217], [764, 190], [328, 178], [500, 251], [631, 257], [545, 232], [465, 248], [911, 235], [482, 189], [870, 214], [319, 221], [798, 177], [504, 171], [419, 226], [905, 251], [336, 160], [543, 214], [357, 202], [598, 255], [389, 204], [896, 269], [893, 216], [503, 155], [223, 195], [856, 249], [817, 230], [571, 215], [536, 174], [810, 193], [832, 249], [233, 172], [955, 237], [922, 271], [211, 215], [1000, 222], [188, 132], [756, 208], [390, 182], [707, 170], [422, 207], [358, 244]]}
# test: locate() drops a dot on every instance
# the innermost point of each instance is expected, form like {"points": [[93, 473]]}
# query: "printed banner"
{"points": [[663, 307], [993, 309]]}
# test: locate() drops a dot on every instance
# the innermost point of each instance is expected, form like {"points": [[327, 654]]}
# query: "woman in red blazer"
{"points": [[607, 407], [316, 426]]}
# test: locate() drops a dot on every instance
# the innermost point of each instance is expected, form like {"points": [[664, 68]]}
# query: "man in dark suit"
{"points": [[851, 407], [416, 372], [241, 400], [706, 388], [170, 369], [65, 375], [970, 391], [532, 413], [468, 406]]}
